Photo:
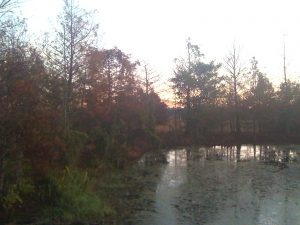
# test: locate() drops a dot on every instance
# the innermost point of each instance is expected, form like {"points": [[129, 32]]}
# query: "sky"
{"points": [[156, 31]]}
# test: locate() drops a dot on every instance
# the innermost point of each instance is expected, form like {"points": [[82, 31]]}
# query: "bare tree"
{"points": [[149, 79], [284, 71], [7, 6], [235, 72], [67, 51]]}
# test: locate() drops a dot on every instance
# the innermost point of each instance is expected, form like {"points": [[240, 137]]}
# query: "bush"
{"points": [[17, 193], [75, 200]]}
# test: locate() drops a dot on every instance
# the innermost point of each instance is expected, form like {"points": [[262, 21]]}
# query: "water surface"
{"points": [[221, 185]]}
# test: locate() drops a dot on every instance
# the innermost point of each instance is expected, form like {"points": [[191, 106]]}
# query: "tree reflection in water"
{"points": [[226, 185]]}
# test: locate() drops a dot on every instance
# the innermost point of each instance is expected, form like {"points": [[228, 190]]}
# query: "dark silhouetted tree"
{"points": [[66, 53], [234, 77]]}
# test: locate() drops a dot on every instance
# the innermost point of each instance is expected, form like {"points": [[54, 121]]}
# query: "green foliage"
{"points": [[75, 200], [197, 85], [16, 193], [73, 106], [12, 197]]}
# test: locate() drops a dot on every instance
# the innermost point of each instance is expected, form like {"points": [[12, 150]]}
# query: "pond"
{"points": [[220, 185]]}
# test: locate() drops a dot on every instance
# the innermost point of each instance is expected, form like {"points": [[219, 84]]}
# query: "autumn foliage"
{"points": [[66, 106]]}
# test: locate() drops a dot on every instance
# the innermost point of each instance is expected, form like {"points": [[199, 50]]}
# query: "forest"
{"points": [[239, 105], [74, 116]]}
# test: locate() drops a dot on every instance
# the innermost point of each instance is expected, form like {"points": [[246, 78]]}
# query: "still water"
{"points": [[221, 185]]}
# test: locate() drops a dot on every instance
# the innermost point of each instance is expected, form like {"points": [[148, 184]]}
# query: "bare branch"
{"points": [[7, 6]]}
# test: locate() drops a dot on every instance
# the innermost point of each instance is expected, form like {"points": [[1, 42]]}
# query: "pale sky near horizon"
{"points": [[156, 30]]}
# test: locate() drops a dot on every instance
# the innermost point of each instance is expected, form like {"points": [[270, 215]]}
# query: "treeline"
{"points": [[229, 103], [66, 108], [71, 113]]}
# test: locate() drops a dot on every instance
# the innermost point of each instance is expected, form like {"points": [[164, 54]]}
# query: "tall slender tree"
{"points": [[184, 80], [149, 79], [67, 51], [234, 76], [260, 97]]}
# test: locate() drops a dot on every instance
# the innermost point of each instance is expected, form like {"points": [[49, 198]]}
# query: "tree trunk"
{"points": [[236, 104], [254, 129]]}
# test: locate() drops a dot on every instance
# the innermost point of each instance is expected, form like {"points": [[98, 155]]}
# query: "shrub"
{"points": [[75, 199], [16, 193]]}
